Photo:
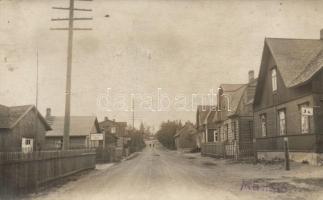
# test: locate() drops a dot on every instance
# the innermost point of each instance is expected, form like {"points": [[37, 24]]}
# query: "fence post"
{"points": [[235, 152], [224, 150], [254, 141], [287, 167]]}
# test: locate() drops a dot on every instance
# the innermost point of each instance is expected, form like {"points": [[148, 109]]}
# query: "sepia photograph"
{"points": [[161, 100]]}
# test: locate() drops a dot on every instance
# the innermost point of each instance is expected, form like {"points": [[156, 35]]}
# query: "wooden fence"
{"points": [[227, 150], [26, 172], [108, 154]]}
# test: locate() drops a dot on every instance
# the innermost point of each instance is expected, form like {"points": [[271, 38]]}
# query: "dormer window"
{"points": [[274, 79]]}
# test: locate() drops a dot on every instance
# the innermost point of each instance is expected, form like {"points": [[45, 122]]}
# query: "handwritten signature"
{"points": [[255, 185]]}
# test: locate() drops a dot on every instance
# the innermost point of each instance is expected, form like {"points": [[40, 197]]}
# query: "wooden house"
{"points": [[187, 138], [22, 129], [116, 131], [81, 128], [230, 125], [203, 115], [289, 100]]}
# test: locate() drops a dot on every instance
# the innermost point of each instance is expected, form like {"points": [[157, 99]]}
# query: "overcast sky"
{"points": [[183, 47]]}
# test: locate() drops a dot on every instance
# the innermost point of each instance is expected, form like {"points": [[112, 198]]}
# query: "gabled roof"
{"points": [[11, 116], [79, 125], [233, 94], [203, 112], [298, 60], [227, 88], [113, 123], [187, 129]]}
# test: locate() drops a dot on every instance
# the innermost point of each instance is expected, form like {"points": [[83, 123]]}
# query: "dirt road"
{"points": [[158, 174]]}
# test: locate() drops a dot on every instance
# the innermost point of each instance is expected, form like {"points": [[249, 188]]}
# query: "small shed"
{"points": [[22, 129]]}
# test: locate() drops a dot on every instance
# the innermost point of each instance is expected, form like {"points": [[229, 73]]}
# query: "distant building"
{"points": [[81, 128], [187, 138], [203, 115], [114, 130], [22, 128], [230, 124], [289, 100]]}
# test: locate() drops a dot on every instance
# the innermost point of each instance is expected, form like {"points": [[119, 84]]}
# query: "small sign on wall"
{"points": [[97, 136], [307, 111]]}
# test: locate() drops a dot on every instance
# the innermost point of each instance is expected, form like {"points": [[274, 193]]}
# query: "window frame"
{"points": [[283, 110], [113, 129], [210, 137], [263, 124], [226, 132], [234, 130], [300, 106], [274, 85], [216, 135]]}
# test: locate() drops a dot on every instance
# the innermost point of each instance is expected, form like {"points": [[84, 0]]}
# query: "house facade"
{"points": [[187, 138], [203, 115], [289, 100], [230, 127], [81, 128], [22, 129], [116, 131]]}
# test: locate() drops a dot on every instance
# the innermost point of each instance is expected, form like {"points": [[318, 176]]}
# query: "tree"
{"points": [[166, 133], [136, 142]]}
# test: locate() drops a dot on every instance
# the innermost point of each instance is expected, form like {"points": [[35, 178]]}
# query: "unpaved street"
{"points": [[157, 173]]}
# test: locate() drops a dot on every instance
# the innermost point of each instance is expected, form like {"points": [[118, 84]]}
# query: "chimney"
{"points": [[321, 34], [251, 74], [106, 118], [48, 112], [114, 120]]}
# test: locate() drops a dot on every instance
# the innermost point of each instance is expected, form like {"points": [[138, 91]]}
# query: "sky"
{"points": [[155, 53]]}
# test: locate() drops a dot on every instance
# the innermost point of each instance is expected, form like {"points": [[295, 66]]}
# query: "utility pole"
{"points": [[37, 79], [36, 103], [70, 30], [133, 114]]}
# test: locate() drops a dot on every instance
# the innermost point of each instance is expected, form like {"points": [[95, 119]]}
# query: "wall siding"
{"points": [[293, 118]]}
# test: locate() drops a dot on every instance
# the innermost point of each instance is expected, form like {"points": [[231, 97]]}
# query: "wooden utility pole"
{"points": [[37, 79], [287, 166], [133, 114], [70, 30]]}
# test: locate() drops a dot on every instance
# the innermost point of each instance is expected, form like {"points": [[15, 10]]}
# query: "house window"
{"points": [[113, 129], [263, 121], [274, 79], [27, 142], [226, 132], [210, 136], [305, 120], [234, 130], [216, 136], [282, 122]]}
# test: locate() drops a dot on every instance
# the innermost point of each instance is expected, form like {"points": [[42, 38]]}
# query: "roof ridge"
{"points": [[29, 107], [241, 85], [240, 99]]}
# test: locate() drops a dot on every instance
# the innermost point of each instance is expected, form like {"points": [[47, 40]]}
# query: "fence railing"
{"points": [[227, 149], [213, 149], [26, 172]]}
